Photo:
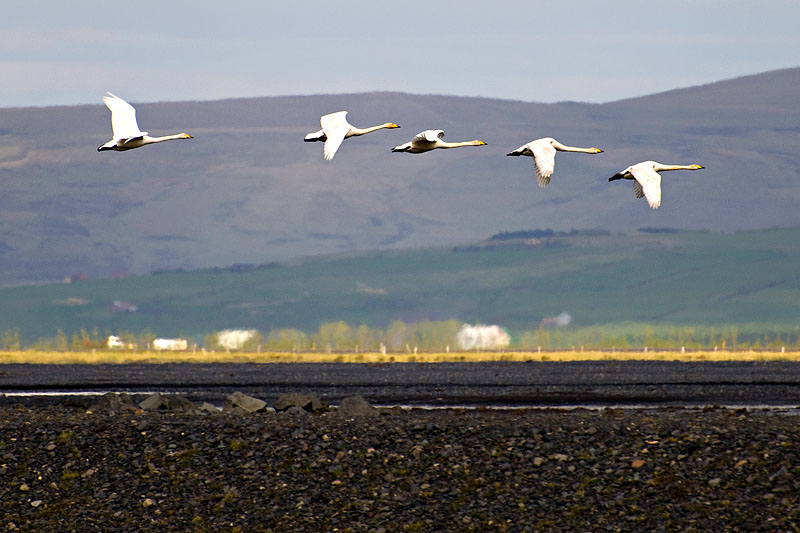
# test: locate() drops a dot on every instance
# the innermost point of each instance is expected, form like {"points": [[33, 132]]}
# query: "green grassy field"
{"points": [[679, 279]]}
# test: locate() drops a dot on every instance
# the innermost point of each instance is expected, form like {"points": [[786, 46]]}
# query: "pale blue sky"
{"points": [[55, 52]]}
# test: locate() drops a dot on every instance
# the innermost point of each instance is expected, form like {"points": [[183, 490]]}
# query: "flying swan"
{"points": [[127, 135], [428, 140], [336, 129], [647, 180], [543, 152]]}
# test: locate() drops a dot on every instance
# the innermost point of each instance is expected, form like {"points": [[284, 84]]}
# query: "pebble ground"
{"points": [[69, 468]]}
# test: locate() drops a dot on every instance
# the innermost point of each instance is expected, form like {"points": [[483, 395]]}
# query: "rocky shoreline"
{"points": [[172, 465]]}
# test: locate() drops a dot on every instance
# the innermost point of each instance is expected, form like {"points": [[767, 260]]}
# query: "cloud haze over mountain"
{"points": [[57, 53]]}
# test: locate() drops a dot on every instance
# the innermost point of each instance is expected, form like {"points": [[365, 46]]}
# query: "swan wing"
{"points": [[123, 117], [522, 150], [544, 160], [333, 142], [132, 139], [335, 127], [429, 136], [650, 183], [637, 189], [334, 120]]}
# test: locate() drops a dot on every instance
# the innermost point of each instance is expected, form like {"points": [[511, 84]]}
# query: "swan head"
{"points": [[596, 150], [185, 136], [479, 143], [696, 167], [392, 125]]}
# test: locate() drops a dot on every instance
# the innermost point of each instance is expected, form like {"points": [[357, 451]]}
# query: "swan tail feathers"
{"points": [[315, 136], [402, 148]]}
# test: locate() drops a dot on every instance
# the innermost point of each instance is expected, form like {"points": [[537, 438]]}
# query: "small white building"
{"points": [[482, 337], [114, 342], [170, 344], [235, 339]]}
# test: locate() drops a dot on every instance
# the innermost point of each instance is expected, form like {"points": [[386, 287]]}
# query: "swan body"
{"points": [[647, 180], [428, 140], [126, 132], [543, 151], [335, 129]]}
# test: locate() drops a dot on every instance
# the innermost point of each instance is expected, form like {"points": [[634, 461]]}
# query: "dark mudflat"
{"points": [[438, 384]]}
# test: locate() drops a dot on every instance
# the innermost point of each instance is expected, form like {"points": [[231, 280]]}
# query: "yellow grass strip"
{"points": [[121, 357]]}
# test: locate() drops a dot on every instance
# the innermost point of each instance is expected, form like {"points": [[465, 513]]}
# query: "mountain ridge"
{"points": [[247, 189]]}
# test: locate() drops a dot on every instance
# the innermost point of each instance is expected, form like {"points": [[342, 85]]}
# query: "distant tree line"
{"points": [[431, 336], [343, 337], [330, 336], [547, 233], [657, 230], [235, 268], [668, 230], [665, 337]]}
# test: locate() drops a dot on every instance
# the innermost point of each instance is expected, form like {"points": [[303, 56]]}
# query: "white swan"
{"points": [[336, 129], [647, 180], [543, 152], [428, 140], [127, 135]]}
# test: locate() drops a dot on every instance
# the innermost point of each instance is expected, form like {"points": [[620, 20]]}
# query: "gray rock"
{"points": [[296, 411], [239, 402], [309, 402], [153, 402], [356, 406], [115, 402], [209, 408], [180, 404], [167, 402]]}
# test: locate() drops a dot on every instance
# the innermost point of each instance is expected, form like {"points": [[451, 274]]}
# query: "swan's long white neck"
{"points": [[660, 168], [354, 132], [564, 148], [445, 144], [149, 140]]}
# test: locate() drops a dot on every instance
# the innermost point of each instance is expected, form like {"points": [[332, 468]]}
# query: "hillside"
{"points": [[694, 278], [247, 189]]}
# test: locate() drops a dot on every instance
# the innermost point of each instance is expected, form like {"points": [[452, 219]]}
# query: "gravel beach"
{"points": [[115, 467]]}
